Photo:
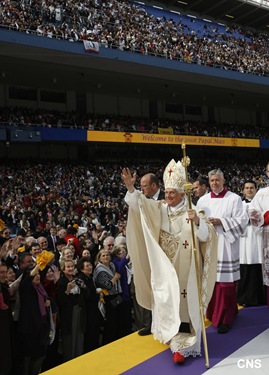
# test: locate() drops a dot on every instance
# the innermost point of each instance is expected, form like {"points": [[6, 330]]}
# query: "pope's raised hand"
{"points": [[128, 179]]}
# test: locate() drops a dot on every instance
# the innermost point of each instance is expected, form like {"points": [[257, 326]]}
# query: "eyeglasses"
{"points": [[171, 193]]}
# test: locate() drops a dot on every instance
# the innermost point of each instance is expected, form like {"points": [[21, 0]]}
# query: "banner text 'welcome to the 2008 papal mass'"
{"points": [[169, 139]]}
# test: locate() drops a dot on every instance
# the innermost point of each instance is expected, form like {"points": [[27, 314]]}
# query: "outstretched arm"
{"points": [[128, 179]]}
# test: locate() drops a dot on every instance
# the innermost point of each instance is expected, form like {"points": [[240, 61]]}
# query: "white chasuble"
{"points": [[161, 251]]}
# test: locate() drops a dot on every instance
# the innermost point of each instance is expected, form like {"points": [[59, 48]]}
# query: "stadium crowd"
{"points": [[74, 215], [24, 116], [78, 214], [129, 27]]}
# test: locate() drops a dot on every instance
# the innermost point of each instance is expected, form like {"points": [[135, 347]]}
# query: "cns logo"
{"points": [[249, 363]]}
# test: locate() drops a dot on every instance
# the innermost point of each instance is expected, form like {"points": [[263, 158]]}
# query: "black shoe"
{"points": [[144, 331], [223, 328]]}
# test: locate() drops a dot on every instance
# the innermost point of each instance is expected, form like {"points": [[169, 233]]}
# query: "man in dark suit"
{"points": [[150, 186], [199, 188], [52, 238]]}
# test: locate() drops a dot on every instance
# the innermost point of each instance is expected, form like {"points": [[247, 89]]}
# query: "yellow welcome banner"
{"points": [[169, 139]]}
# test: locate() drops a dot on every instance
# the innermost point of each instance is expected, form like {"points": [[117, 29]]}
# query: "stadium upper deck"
{"points": [[49, 73]]}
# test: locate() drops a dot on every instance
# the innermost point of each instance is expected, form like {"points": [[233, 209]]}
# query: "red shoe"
{"points": [[178, 358]]}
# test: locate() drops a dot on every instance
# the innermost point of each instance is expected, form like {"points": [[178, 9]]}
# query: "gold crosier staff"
{"points": [[187, 188]]}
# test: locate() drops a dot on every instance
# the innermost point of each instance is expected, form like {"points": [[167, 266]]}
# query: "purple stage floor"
{"points": [[249, 323]]}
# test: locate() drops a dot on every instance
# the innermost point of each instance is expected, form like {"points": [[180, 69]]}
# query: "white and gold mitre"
{"points": [[174, 176]]}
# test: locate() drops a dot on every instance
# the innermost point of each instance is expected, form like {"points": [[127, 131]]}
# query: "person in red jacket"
{"points": [[72, 238]]}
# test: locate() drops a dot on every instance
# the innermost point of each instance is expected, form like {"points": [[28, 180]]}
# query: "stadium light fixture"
{"points": [[182, 2], [191, 16], [229, 16], [206, 20], [174, 11], [155, 6], [259, 3]]}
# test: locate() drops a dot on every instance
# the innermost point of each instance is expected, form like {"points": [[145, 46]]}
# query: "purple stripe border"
{"points": [[249, 323]]}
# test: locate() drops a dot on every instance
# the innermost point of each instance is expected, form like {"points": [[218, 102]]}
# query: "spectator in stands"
{"points": [[92, 334], [6, 324], [106, 278], [86, 254], [34, 249], [49, 278], [72, 238], [67, 254], [43, 243], [37, 232], [108, 243], [30, 240], [121, 261], [25, 261], [62, 233], [70, 297], [13, 221], [5, 235], [121, 229], [34, 321], [52, 239]]}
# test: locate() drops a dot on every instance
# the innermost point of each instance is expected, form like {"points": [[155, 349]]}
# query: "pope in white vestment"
{"points": [[160, 244]]}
